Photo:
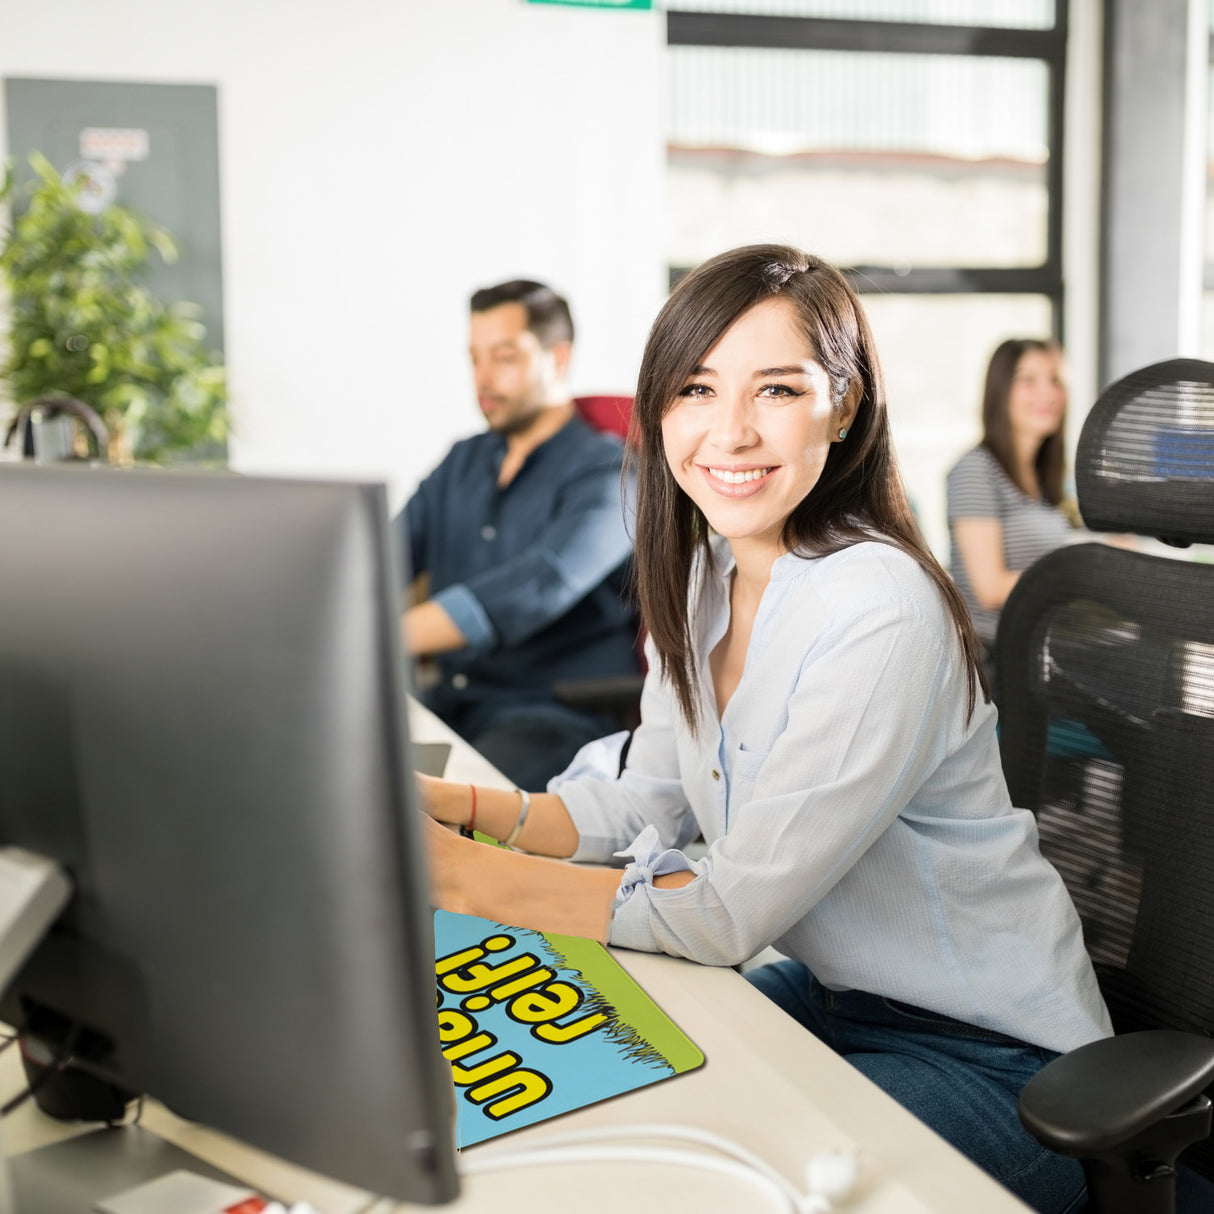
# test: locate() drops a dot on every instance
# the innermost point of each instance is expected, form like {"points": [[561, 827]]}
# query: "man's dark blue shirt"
{"points": [[533, 575]]}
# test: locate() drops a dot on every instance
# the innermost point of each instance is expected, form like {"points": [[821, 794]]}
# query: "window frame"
{"points": [[1048, 45]]}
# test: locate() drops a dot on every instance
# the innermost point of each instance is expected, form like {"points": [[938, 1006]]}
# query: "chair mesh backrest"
{"points": [[1145, 461], [1106, 675]]}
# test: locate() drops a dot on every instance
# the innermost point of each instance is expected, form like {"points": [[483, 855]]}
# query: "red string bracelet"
{"points": [[472, 818]]}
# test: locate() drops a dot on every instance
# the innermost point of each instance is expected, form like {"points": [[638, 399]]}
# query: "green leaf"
{"points": [[83, 322]]}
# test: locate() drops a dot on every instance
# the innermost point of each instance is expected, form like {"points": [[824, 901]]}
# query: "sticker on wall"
{"points": [[114, 145]]}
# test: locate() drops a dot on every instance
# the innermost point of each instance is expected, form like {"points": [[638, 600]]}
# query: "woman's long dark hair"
{"points": [[1050, 464], [859, 495]]}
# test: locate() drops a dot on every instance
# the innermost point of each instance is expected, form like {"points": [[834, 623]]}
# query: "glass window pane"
{"points": [[1207, 310], [927, 160], [933, 351], [1007, 14]]}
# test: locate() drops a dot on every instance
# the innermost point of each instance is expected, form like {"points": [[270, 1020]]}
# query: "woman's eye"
{"points": [[694, 390], [777, 390]]}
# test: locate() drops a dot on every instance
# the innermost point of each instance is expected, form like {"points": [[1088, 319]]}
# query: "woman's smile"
{"points": [[737, 482]]}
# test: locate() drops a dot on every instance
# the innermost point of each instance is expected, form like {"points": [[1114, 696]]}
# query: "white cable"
{"points": [[708, 1138], [831, 1176], [637, 1154]]}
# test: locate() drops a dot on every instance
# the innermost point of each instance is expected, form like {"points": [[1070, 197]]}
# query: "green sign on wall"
{"points": [[648, 4]]}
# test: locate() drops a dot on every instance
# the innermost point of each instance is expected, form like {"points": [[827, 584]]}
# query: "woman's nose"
{"points": [[733, 424]]}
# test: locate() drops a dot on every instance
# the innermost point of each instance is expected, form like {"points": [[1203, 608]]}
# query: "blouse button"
{"points": [[459, 681], [488, 531], [716, 775]]}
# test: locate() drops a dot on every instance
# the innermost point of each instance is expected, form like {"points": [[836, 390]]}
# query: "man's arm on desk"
{"points": [[427, 628]]}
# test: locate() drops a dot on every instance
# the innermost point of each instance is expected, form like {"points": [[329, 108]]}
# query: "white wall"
{"points": [[379, 160]]}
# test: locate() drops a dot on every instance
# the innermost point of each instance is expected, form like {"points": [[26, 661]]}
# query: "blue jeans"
{"points": [[960, 1080]]}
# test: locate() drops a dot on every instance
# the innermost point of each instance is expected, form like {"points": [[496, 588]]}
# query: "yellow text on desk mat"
{"points": [[537, 1024]]}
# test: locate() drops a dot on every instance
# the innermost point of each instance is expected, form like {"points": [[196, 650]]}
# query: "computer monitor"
{"points": [[203, 720]]}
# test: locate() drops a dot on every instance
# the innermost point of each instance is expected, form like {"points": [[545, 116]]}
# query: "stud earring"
{"points": [[842, 433]]}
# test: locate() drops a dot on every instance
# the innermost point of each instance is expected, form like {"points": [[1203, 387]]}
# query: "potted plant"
{"points": [[82, 325]]}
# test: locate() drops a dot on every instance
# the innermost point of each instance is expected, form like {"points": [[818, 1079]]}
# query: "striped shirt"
{"points": [[855, 816], [979, 488]]}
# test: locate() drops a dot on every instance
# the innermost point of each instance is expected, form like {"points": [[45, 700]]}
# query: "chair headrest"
{"points": [[1145, 460]]}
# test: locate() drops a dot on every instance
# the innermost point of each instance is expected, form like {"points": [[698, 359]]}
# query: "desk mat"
{"points": [[538, 1024]]}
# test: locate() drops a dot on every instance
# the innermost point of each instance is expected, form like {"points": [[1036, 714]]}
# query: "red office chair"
{"points": [[611, 414]]}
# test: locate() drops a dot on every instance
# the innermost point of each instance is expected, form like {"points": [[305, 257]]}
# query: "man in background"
{"points": [[522, 535]]}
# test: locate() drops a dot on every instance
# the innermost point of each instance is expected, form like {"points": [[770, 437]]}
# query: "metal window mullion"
{"points": [[1055, 149], [837, 34]]}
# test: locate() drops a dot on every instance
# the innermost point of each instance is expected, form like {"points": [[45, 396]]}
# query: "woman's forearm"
{"points": [[980, 543], [543, 894], [548, 830]]}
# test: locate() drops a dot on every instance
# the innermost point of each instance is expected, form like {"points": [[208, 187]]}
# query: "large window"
{"points": [[916, 143], [1207, 313]]}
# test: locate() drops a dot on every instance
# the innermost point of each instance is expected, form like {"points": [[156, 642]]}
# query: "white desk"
{"points": [[767, 1084]]}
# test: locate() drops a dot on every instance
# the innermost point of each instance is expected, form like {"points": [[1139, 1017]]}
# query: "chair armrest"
{"points": [[607, 693], [1103, 1094]]}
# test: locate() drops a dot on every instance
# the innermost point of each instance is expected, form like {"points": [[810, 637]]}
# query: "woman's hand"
{"points": [[445, 800], [444, 856], [546, 895]]}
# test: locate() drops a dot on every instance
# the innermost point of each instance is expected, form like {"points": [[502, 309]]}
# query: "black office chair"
{"points": [[1105, 660]]}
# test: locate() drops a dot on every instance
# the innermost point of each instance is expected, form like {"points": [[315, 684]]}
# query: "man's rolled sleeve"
{"points": [[469, 617]]}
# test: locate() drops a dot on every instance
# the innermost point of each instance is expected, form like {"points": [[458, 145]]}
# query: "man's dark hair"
{"points": [[548, 315]]}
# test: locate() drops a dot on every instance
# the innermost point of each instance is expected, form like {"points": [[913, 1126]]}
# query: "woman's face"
{"points": [[748, 433], [1036, 402]]}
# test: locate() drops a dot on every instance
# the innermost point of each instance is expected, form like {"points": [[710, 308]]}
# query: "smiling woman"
{"points": [[813, 711], [747, 436]]}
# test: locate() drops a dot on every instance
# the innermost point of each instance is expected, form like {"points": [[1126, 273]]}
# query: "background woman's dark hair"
{"points": [[859, 495], [997, 423]]}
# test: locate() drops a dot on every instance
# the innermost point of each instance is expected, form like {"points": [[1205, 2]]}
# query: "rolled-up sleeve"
{"points": [[866, 723]]}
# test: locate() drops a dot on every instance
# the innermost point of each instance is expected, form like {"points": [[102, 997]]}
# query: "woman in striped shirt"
{"points": [[1005, 496]]}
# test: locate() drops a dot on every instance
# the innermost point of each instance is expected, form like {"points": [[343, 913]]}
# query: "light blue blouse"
{"points": [[855, 818]]}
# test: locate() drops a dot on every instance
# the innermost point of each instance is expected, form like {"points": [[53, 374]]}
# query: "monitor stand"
{"points": [[68, 1177]]}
